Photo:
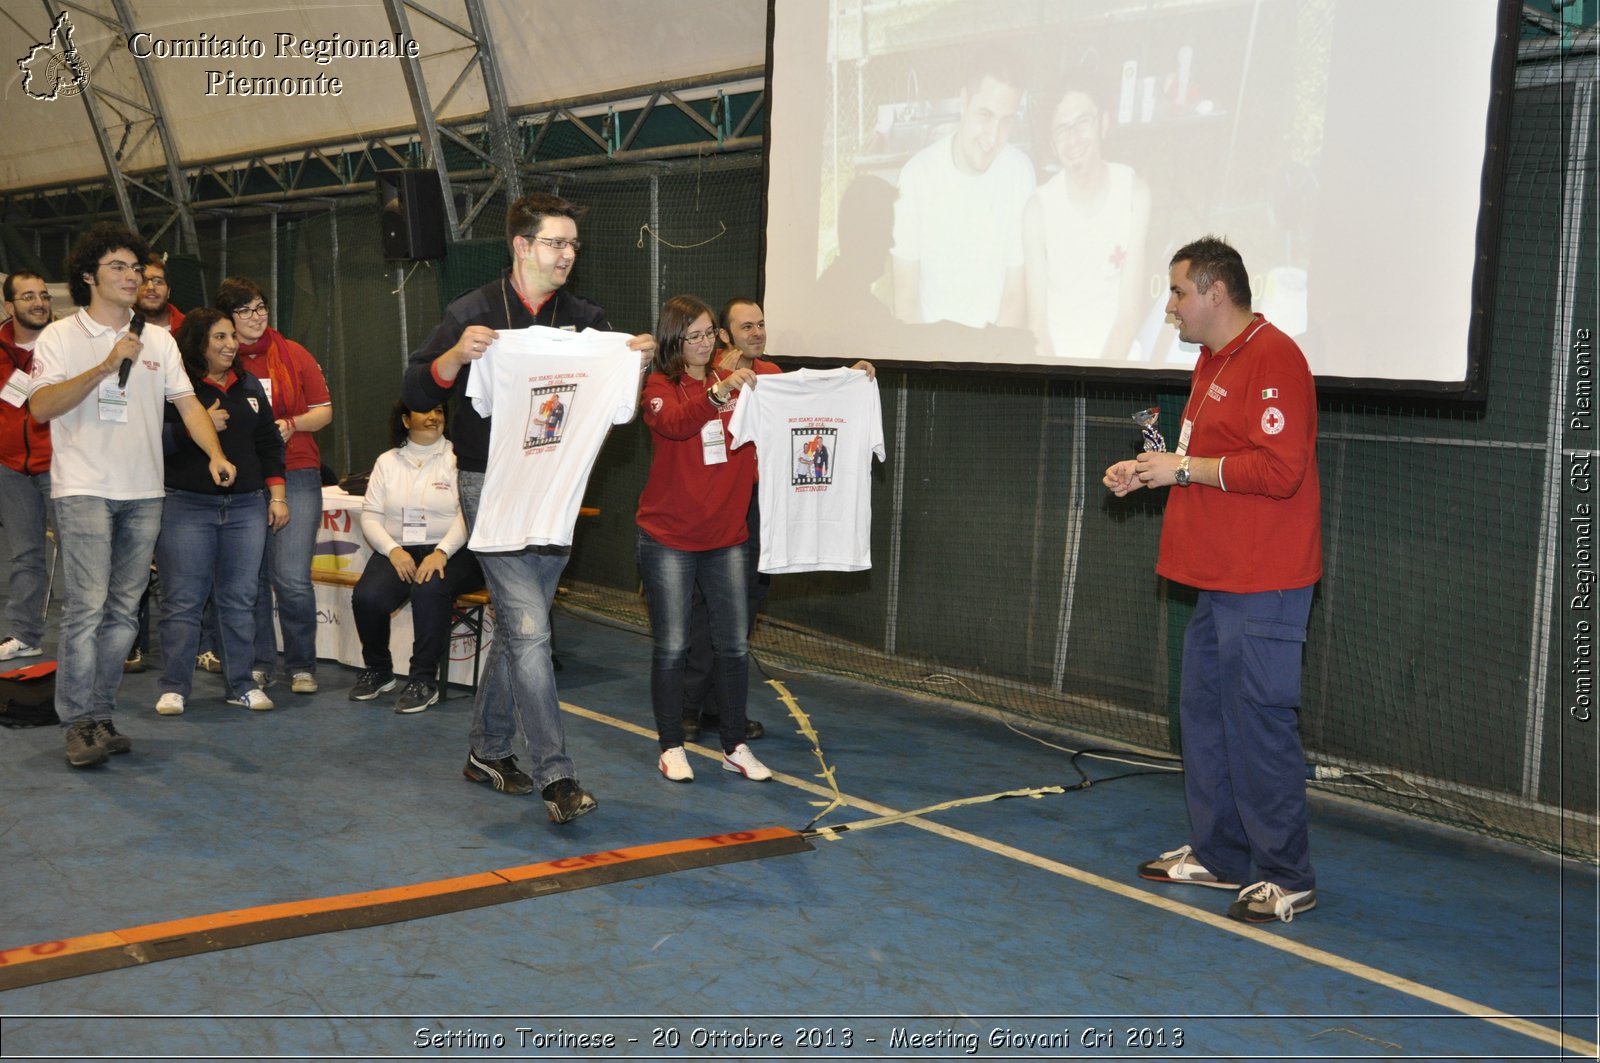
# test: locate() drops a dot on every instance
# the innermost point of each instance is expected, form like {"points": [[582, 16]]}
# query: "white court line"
{"points": [[1309, 953]]}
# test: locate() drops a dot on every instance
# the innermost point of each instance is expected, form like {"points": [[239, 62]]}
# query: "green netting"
{"points": [[1440, 667]]}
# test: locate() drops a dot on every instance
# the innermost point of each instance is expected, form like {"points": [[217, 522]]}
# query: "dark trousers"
{"points": [[1244, 770], [381, 591]]}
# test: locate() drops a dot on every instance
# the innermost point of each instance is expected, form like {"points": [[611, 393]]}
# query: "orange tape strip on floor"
{"points": [[49, 961]]}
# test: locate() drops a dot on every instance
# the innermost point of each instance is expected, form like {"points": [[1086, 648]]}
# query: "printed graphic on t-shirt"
{"points": [[813, 450], [547, 411]]}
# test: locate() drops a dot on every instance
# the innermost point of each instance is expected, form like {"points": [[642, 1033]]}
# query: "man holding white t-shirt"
{"points": [[518, 688]]}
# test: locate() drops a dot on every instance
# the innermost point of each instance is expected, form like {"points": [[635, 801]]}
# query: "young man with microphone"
{"points": [[102, 384]]}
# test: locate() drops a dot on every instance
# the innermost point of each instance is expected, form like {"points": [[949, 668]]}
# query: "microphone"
{"points": [[135, 326]]}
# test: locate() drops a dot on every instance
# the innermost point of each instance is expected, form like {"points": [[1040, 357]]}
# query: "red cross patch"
{"points": [[1272, 420]]}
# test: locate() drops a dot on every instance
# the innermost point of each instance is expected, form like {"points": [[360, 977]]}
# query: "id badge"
{"points": [[413, 525], [714, 445], [266, 385], [1183, 437], [112, 401], [15, 393]]}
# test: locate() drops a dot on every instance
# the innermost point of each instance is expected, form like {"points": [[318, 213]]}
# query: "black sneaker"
{"points": [[566, 800], [82, 750], [135, 661], [108, 738], [502, 774], [418, 695], [372, 682]]}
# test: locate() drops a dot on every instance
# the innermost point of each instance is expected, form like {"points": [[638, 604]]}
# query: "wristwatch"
{"points": [[1182, 475]]}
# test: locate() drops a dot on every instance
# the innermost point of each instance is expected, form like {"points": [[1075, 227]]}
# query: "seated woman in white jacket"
{"points": [[412, 519]]}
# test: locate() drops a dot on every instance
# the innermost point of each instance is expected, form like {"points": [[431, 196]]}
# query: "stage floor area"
{"points": [[1009, 928]]}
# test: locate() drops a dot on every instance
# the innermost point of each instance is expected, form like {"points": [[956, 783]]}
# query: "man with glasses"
{"points": [[155, 296], [518, 687], [24, 467], [107, 472]]}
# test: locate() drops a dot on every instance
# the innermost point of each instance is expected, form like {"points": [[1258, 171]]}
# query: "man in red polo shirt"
{"points": [[1244, 527]]}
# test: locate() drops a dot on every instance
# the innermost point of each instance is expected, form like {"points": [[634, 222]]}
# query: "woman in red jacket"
{"points": [[692, 531]]}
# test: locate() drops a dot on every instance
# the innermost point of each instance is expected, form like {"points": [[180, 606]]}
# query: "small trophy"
{"points": [[1146, 420]]}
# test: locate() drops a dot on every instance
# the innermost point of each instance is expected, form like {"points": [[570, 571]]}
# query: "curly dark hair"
{"points": [[84, 258], [193, 338]]}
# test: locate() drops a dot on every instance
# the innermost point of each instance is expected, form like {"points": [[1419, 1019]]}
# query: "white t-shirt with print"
{"points": [[551, 395], [816, 433]]}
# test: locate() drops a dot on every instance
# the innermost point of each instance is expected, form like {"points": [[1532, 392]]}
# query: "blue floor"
{"points": [[1003, 929]]}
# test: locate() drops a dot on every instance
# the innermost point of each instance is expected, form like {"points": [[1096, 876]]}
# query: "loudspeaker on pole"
{"points": [[411, 212]]}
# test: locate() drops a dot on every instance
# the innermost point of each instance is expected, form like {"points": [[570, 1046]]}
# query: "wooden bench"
{"points": [[467, 611]]}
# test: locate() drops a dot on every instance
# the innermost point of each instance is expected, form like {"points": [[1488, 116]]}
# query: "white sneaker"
{"points": [[255, 698], [15, 647], [303, 683], [170, 704], [262, 677], [208, 662], [674, 764], [1180, 866], [745, 763], [1268, 901]]}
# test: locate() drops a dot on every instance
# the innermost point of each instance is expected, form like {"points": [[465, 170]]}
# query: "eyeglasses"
{"points": [[698, 338], [259, 310], [156, 282], [31, 297], [1079, 126], [119, 267], [558, 243]]}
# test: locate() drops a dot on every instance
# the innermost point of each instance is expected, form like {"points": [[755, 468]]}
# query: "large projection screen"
{"points": [[1003, 182]]}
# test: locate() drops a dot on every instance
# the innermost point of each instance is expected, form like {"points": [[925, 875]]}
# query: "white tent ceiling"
{"points": [[546, 50]]}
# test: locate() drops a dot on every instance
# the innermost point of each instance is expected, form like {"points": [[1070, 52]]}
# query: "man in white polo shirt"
{"points": [[106, 471]]}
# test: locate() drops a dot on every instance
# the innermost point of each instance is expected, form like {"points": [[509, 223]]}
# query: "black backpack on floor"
{"points": [[28, 696]]}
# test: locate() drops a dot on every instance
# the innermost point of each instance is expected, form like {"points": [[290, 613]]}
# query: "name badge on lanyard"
{"points": [[714, 446], [413, 525], [113, 401], [1183, 437]]}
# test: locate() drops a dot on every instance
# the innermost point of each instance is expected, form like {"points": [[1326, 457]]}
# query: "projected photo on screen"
{"points": [[986, 182]]}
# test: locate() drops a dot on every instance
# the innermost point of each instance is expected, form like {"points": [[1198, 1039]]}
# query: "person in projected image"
{"points": [[958, 222], [1083, 240]]}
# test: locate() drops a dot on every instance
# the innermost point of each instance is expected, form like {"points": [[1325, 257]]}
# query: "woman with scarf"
{"points": [[301, 406]]}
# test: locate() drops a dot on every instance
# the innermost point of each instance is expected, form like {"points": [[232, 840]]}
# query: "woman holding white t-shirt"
{"points": [[692, 531]]}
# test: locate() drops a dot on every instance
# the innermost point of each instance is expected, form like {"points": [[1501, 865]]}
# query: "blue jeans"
{"points": [[106, 545], [210, 546], [699, 692], [25, 500], [518, 687], [1244, 771], [670, 579], [286, 572]]}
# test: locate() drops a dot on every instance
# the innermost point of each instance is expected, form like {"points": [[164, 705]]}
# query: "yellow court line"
{"points": [[1309, 953]]}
